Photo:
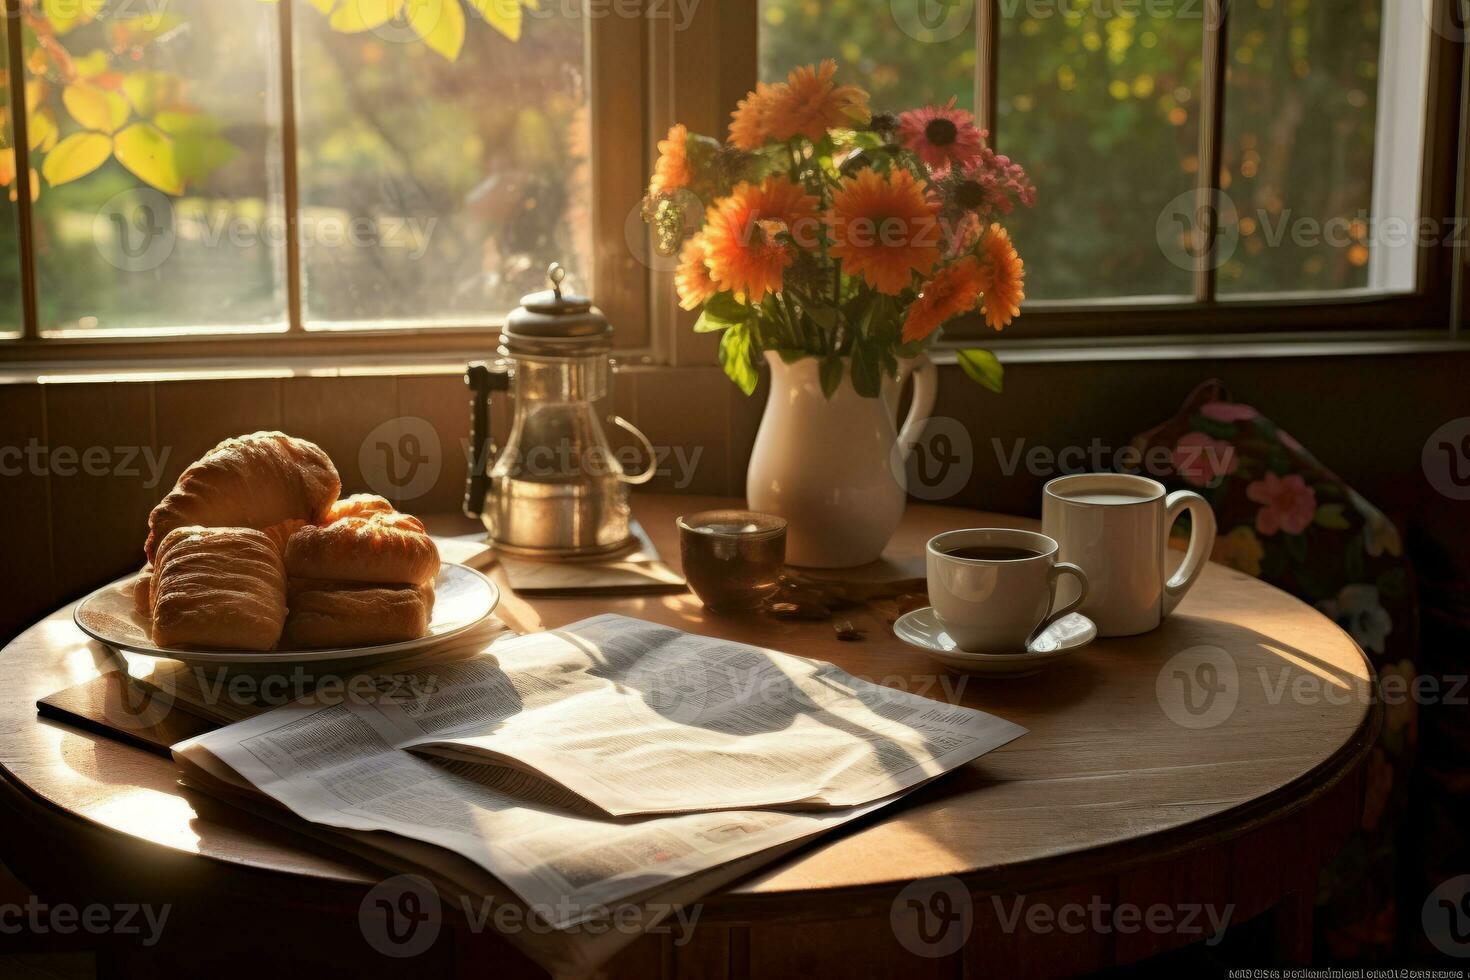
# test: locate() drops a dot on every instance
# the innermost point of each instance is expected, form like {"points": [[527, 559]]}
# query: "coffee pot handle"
{"points": [[637, 433], [482, 380]]}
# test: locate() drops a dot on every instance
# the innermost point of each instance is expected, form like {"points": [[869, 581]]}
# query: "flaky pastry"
{"points": [[218, 588], [253, 481], [382, 548], [355, 617]]}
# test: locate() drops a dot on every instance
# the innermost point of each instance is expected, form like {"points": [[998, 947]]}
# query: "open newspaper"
{"points": [[602, 763]]}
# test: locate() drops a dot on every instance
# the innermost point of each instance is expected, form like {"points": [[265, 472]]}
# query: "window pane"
{"points": [[1299, 144], [159, 146], [437, 190], [905, 54], [10, 311], [1100, 102]]}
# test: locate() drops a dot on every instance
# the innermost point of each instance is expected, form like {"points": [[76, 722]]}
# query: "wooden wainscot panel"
{"points": [[355, 419], [193, 417], [25, 575], [105, 477]]}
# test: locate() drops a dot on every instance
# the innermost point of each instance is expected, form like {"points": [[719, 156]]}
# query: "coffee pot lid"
{"points": [[553, 322]]}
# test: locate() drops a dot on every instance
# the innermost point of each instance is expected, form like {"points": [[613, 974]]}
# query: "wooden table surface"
{"points": [[1117, 782]]}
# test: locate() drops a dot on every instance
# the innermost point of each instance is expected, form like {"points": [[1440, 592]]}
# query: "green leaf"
{"points": [[831, 375], [824, 317], [791, 355], [983, 368], [725, 307], [1331, 516], [709, 324], [735, 358], [503, 15], [149, 153], [867, 371], [75, 157], [440, 23]]}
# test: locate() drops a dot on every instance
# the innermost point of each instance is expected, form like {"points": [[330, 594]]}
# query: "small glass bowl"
{"points": [[732, 558]]}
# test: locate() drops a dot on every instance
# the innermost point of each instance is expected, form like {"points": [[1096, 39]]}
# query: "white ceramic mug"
{"points": [[1116, 526], [998, 605]]}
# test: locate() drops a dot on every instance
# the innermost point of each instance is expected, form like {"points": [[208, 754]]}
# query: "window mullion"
{"points": [[987, 65], [20, 137], [291, 188], [1214, 65]]}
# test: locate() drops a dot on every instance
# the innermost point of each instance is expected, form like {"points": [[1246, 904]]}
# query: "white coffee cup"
{"points": [[1116, 526], [997, 604]]}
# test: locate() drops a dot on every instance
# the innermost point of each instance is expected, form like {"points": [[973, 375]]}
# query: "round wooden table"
{"points": [[1205, 769]]}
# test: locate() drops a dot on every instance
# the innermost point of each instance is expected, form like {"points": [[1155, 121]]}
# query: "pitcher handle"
{"points": [[926, 393], [637, 433]]}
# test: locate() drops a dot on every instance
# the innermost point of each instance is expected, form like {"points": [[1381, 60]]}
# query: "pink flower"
{"points": [[942, 136], [1204, 461], [1228, 412], [1287, 503]]}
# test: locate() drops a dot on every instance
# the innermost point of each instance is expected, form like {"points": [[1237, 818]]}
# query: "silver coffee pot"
{"points": [[557, 489]]}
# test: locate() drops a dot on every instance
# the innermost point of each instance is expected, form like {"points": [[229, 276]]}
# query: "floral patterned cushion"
{"points": [[1286, 518]]}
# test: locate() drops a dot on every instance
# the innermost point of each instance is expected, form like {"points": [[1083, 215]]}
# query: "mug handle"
{"points": [[1057, 571], [1201, 543]]}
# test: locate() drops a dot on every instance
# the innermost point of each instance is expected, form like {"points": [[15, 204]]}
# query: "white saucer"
{"points": [[921, 628]]}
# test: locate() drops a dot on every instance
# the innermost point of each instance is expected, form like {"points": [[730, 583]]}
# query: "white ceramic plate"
{"points": [[921, 628], [463, 598]]}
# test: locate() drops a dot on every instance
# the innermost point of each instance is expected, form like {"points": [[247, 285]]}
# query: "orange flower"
{"points": [[671, 172], [810, 103], [1004, 276], [750, 123], [885, 229], [692, 279], [744, 255], [953, 290]]}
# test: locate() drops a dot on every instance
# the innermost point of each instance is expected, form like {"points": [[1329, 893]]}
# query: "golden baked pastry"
{"points": [[296, 586], [281, 533], [389, 549], [355, 617], [253, 481], [143, 593], [359, 505], [220, 588]]}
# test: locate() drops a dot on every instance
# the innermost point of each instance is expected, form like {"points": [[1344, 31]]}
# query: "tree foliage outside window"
{"points": [[1101, 99], [168, 113]]}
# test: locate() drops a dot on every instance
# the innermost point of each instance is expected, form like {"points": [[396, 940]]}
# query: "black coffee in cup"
{"points": [[992, 553]]}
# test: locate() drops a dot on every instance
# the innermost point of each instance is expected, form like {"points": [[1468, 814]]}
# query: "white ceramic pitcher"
{"points": [[835, 468]]}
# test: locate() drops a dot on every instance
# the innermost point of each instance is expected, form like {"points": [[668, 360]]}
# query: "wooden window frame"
{"points": [[644, 74], [616, 58]]}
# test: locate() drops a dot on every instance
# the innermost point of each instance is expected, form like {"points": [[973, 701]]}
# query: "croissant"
{"points": [[390, 549], [253, 481], [220, 588], [356, 617], [358, 505]]}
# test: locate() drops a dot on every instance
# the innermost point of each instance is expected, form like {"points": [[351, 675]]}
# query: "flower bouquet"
{"points": [[818, 230]]}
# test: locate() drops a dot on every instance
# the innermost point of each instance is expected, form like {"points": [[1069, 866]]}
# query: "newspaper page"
{"points": [[639, 718], [611, 714], [336, 765]]}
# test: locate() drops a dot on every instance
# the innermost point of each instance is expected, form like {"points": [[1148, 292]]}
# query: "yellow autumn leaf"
{"points": [[35, 188], [503, 15], [64, 15], [356, 16], [75, 157], [149, 153], [95, 108], [91, 65], [7, 167], [441, 25], [39, 129]]}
